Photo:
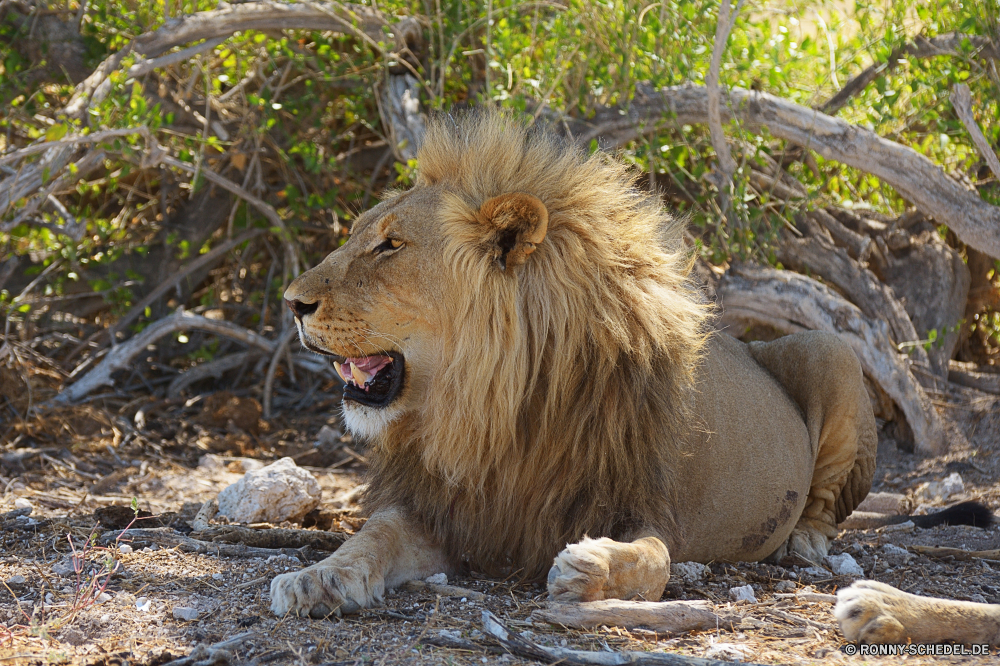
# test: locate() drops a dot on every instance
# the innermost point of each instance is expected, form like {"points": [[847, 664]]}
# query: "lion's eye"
{"points": [[388, 244]]}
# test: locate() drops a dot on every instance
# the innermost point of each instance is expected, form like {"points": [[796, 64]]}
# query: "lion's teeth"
{"points": [[340, 371], [360, 376]]}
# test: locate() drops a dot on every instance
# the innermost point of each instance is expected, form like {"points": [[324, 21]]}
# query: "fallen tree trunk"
{"points": [[791, 302], [915, 177], [859, 284]]}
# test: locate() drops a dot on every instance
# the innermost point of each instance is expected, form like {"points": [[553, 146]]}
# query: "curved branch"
{"points": [[121, 356], [915, 177], [791, 302]]}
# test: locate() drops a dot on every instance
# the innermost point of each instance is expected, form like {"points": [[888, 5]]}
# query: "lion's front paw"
{"points": [[581, 571], [323, 590], [809, 543], [871, 612]]}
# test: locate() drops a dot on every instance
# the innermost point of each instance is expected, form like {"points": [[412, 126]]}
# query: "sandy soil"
{"points": [[93, 462]]}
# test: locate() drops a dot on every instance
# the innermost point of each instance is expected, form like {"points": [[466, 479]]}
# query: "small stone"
{"points": [[218, 576], [844, 565], [743, 593], [895, 555], [125, 548], [328, 436], [784, 586], [21, 503], [185, 613], [103, 598], [688, 572], [281, 491], [68, 565], [436, 579], [816, 572], [727, 651], [17, 580], [142, 604], [941, 490]]}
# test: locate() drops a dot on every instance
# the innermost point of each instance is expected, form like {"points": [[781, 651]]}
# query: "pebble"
{"points": [[17, 580], [816, 572], [688, 572], [103, 598], [903, 528], [436, 579], [742, 593], [21, 503], [125, 548], [784, 586], [218, 576], [727, 651], [895, 555], [844, 565], [67, 565], [142, 604], [185, 613]]}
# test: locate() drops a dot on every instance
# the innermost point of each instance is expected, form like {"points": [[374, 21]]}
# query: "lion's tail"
{"points": [[973, 513]]}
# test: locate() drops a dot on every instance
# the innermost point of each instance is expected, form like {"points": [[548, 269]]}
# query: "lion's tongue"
{"points": [[362, 370]]}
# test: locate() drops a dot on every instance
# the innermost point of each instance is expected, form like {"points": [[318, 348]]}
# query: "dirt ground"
{"points": [[171, 459]]}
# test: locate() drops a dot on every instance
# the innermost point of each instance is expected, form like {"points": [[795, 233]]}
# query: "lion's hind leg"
{"points": [[823, 376], [873, 612], [596, 569]]}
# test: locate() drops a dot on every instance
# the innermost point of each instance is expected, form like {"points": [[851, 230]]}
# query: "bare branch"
{"points": [[791, 302], [921, 47], [961, 99], [121, 356], [915, 177]]}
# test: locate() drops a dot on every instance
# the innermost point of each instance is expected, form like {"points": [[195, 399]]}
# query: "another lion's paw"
{"points": [[581, 571], [322, 590], [872, 612]]}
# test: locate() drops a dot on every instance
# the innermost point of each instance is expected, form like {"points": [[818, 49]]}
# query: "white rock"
{"points": [[895, 555], [727, 651], [688, 572], [941, 490], [743, 593], [185, 613], [103, 598], [784, 586], [844, 565], [125, 548], [436, 579], [142, 604], [280, 491], [218, 576], [17, 580], [21, 503]]}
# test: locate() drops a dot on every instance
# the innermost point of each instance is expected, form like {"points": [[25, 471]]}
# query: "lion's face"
{"points": [[376, 305]]}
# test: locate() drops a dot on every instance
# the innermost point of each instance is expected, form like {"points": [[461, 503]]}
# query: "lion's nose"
{"points": [[300, 309]]}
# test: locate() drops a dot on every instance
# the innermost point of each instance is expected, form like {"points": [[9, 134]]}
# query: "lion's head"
{"points": [[517, 327]]}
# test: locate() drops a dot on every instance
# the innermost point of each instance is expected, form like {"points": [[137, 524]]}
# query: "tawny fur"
{"points": [[565, 385]]}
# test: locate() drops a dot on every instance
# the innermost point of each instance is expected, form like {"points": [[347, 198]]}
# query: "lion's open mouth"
{"points": [[373, 381]]}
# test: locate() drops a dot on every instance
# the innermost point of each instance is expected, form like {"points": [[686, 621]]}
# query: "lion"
{"points": [[544, 394]]}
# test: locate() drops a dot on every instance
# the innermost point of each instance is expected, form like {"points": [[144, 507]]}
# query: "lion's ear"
{"points": [[516, 223]]}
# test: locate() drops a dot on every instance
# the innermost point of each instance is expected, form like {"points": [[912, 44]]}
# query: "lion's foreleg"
{"points": [[596, 569], [873, 612], [389, 550]]}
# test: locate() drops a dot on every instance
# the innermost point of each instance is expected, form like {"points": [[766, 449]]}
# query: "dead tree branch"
{"points": [[922, 47], [723, 179], [121, 356], [791, 302], [915, 177], [961, 99], [672, 617]]}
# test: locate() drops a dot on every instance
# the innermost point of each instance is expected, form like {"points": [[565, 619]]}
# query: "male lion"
{"points": [[542, 393]]}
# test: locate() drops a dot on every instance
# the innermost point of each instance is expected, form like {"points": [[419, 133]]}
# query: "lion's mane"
{"points": [[563, 389]]}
